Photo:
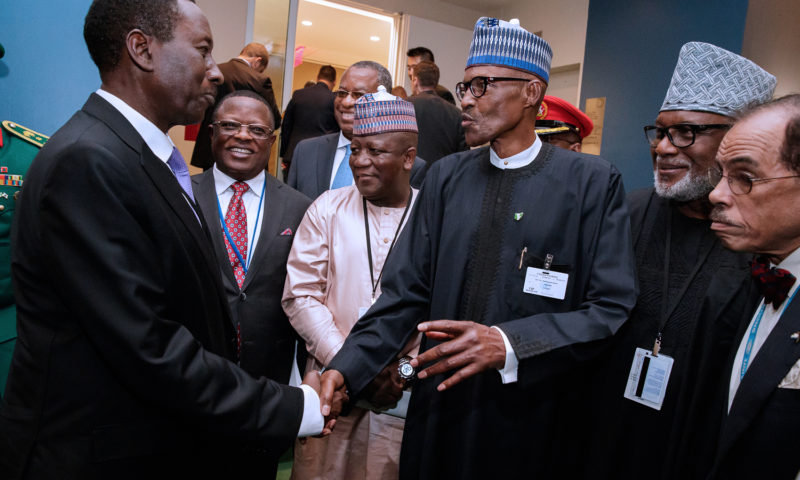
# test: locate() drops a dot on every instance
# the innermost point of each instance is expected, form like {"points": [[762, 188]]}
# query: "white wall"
{"points": [[772, 40], [449, 44], [447, 13], [562, 23], [228, 20]]}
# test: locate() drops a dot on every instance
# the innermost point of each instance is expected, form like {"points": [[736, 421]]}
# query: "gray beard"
{"points": [[690, 187]]}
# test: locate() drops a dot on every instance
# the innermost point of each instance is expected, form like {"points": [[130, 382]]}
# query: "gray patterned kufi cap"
{"points": [[708, 78]]}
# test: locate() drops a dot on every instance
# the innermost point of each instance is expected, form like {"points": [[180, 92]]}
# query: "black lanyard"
{"points": [[666, 308], [369, 248]]}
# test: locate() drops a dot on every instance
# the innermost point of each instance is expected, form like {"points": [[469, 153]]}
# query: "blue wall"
{"points": [[46, 73], [631, 49]]}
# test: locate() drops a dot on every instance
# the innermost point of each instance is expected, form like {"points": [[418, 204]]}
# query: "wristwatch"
{"points": [[405, 369]]}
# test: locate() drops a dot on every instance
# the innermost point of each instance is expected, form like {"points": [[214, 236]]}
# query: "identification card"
{"points": [[647, 382], [362, 311], [546, 283]]}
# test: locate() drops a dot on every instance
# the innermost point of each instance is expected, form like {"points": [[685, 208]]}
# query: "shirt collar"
{"points": [[792, 263], [158, 142], [243, 61], [343, 141], [223, 182], [519, 160]]}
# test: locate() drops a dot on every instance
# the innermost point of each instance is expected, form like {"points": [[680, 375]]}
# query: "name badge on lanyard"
{"points": [[648, 378]]}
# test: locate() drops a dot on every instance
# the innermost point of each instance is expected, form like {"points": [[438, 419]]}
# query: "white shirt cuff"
{"points": [[508, 374], [312, 421]]}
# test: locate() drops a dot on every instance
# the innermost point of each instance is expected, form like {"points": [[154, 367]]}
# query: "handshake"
{"points": [[383, 392], [468, 348]]}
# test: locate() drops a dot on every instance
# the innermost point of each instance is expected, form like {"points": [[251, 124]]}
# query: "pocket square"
{"points": [[288, 231], [792, 379]]}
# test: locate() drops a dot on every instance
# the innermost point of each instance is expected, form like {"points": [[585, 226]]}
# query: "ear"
{"points": [[575, 147], [139, 47], [534, 92], [408, 158]]}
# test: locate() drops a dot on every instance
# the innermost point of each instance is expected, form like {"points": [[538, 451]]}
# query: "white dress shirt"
{"points": [[508, 374], [251, 199], [341, 149], [158, 142], [161, 145], [768, 321]]}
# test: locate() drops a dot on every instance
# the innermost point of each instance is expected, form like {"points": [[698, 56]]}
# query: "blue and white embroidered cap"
{"points": [[708, 78], [506, 44], [382, 112]]}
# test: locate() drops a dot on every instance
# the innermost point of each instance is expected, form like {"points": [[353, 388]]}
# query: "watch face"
{"points": [[406, 370]]}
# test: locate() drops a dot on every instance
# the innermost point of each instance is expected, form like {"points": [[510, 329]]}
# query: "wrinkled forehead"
{"points": [[754, 141]]}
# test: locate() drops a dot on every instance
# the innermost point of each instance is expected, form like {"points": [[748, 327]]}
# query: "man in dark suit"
{"points": [[423, 54], [309, 114], [245, 72], [122, 370], [440, 132], [757, 190], [322, 163], [268, 212]]}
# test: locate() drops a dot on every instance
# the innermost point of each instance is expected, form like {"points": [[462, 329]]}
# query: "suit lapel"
{"points": [[270, 223], [206, 194], [772, 362], [158, 171], [325, 165]]}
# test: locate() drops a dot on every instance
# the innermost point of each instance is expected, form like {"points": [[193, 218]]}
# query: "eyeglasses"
{"points": [[231, 127], [681, 135], [341, 93], [477, 86], [739, 183]]}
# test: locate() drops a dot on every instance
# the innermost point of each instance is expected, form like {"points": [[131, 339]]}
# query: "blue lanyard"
{"points": [[244, 264], [748, 349]]}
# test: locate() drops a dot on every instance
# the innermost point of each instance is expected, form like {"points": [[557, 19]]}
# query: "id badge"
{"points": [[545, 283], [647, 381], [362, 311]]}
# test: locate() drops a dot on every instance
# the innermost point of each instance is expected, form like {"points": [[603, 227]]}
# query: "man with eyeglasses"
{"points": [[524, 249], [688, 284], [252, 218], [756, 198], [245, 72], [322, 163]]}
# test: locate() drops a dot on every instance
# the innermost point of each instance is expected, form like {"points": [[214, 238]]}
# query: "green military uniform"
{"points": [[18, 146]]}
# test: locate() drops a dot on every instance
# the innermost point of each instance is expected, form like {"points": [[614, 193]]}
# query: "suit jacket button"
{"points": [[243, 296]]}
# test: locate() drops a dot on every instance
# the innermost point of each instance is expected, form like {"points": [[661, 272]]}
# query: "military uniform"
{"points": [[18, 147]]}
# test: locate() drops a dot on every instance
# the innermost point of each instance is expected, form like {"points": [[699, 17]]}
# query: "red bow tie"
{"points": [[774, 283]]}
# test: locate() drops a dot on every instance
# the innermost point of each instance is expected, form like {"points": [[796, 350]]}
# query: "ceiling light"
{"points": [[375, 38], [307, 23]]}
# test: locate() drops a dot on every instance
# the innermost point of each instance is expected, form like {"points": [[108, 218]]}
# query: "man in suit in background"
{"points": [[757, 190], [322, 163], [252, 239], [440, 132], [245, 72], [423, 54], [122, 370], [309, 114]]}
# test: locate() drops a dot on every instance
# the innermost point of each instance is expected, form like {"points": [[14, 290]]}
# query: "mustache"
{"points": [[673, 161], [718, 215]]}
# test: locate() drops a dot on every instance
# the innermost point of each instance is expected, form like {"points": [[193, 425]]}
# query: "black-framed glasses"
{"points": [[232, 127], [477, 85], [739, 182], [342, 93], [681, 135]]}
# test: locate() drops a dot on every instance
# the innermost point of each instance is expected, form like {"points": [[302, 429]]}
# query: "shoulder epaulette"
{"points": [[26, 134]]}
